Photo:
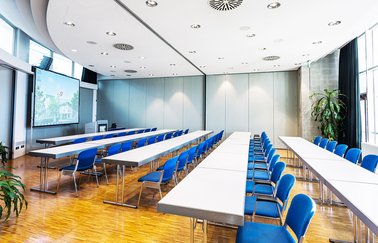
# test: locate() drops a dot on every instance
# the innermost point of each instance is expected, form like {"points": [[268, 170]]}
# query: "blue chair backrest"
{"points": [[99, 137], [180, 132], [160, 137], [108, 136], [340, 149], [183, 158], [264, 135], [121, 134], [273, 161], [168, 135], [323, 143], [131, 132], [317, 140], [331, 146], [169, 168], [279, 167], [151, 140], [201, 149], [370, 162], [186, 131], [353, 155], [221, 135], [87, 157], [126, 146], [192, 153], [154, 129], [114, 149], [301, 211], [79, 140], [268, 149], [285, 185], [141, 142], [147, 130]]}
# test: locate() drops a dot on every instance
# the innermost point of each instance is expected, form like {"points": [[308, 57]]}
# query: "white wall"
{"points": [[253, 102], [155, 102]]}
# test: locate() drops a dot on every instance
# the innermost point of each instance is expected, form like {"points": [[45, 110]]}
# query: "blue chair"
{"points": [[85, 162], [151, 140], [353, 155], [260, 157], [121, 134], [147, 130], [262, 164], [370, 162], [331, 146], [79, 140], [131, 132], [113, 149], [266, 207], [98, 137], [317, 140], [108, 136], [141, 142], [160, 137], [341, 149], [261, 174], [168, 135], [154, 129], [156, 178], [323, 143], [299, 216], [126, 146], [186, 131], [191, 158], [267, 187]]}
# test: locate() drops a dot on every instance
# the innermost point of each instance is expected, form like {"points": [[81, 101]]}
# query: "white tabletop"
{"points": [[143, 155], [210, 194], [68, 139]]}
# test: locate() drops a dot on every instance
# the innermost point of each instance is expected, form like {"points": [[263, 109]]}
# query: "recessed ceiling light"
{"points": [[126, 61], [192, 52], [69, 23], [262, 49], [225, 72], [142, 67], [306, 55], [104, 53], [317, 42], [220, 58], [113, 66], [150, 75], [74, 50], [203, 66], [244, 63], [141, 57], [91, 65], [273, 5], [277, 65], [333, 23], [151, 3], [256, 69], [92, 42], [172, 64], [174, 74], [123, 46], [271, 58], [245, 28], [111, 33], [130, 71], [195, 26], [128, 75], [250, 35]]}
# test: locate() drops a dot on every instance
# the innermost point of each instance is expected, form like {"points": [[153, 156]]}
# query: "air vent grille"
{"points": [[130, 71], [271, 58], [123, 46], [225, 5]]}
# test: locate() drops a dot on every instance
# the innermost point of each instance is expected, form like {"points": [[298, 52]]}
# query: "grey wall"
{"points": [[6, 97], [156, 102], [253, 102]]}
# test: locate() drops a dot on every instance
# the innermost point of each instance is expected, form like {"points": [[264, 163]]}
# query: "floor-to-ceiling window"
{"points": [[6, 36]]}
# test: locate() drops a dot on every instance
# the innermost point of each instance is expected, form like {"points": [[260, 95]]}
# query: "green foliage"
{"points": [[3, 153], [329, 110], [10, 194]]}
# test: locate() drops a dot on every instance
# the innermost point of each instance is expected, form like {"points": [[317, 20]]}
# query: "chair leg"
{"points": [[95, 172], [161, 195], [57, 186], [74, 177], [140, 194], [106, 174]]}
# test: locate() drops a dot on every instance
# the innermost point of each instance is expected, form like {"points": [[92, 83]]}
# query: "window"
{"points": [[7, 36], [36, 53], [78, 71], [61, 64], [368, 76]]}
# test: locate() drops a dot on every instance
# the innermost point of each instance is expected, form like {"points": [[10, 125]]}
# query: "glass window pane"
{"points": [[371, 107], [36, 53], [61, 64], [363, 120], [362, 53], [362, 80], [7, 36], [78, 70], [375, 45]]}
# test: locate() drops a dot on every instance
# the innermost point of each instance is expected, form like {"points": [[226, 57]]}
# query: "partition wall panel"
{"points": [[174, 100], [137, 105], [155, 103], [194, 95], [215, 103], [121, 94]]}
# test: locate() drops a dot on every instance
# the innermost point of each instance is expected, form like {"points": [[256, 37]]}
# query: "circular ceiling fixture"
{"points": [[271, 58], [273, 5], [317, 42], [111, 33], [123, 46], [333, 23], [69, 23], [130, 71], [195, 26], [104, 53], [92, 42], [250, 35], [225, 5], [151, 3]]}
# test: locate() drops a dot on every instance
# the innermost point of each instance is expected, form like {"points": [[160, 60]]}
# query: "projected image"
{"points": [[56, 99]]}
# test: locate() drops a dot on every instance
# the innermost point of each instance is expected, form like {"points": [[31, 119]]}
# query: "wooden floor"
{"points": [[67, 218]]}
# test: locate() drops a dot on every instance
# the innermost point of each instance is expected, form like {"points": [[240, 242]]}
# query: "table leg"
{"points": [[192, 222], [43, 179], [204, 230]]}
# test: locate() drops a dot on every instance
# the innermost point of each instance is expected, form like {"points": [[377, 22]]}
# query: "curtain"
{"points": [[349, 86]]}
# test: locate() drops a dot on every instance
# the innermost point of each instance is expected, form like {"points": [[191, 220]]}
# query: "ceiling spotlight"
{"points": [[111, 33], [104, 53], [273, 5], [69, 23], [262, 49], [174, 74], [91, 65], [150, 75], [112, 71], [271, 58], [195, 26], [142, 67], [256, 69], [202, 66], [220, 58], [250, 35], [172, 64], [151, 3], [113, 66], [92, 42], [126, 61], [141, 57], [306, 55], [225, 72], [317, 42], [128, 75], [333, 23], [276, 65], [74, 50], [244, 63], [192, 52]]}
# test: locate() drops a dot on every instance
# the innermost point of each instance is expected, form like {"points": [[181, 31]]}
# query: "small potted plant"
{"points": [[3, 153]]}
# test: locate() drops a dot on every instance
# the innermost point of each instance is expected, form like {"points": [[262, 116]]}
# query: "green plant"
{"points": [[328, 109], [10, 194], [3, 153]]}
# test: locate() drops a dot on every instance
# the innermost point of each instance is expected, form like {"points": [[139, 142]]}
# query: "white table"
{"points": [[68, 139], [71, 149], [215, 189], [141, 156]]}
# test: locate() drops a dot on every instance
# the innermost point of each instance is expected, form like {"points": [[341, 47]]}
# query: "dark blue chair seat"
{"points": [[252, 166], [152, 176], [264, 189], [79, 168], [258, 175], [258, 232], [264, 208]]}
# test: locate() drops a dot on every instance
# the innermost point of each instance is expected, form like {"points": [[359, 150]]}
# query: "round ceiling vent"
{"points": [[225, 5], [130, 71], [124, 47], [271, 58]]}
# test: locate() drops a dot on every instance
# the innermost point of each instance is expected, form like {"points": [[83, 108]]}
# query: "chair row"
{"points": [[368, 162]]}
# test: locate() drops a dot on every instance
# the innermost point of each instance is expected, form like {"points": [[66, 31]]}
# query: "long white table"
{"points": [[355, 186], [69, 139], [215, 189], [141, 156], [71, 149]]}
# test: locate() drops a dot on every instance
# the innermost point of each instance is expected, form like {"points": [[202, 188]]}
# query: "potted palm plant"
{"points": [[11, 189], [329, 111]]}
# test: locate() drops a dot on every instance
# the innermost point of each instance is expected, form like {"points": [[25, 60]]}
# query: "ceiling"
{"points": [[164, 40]]}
